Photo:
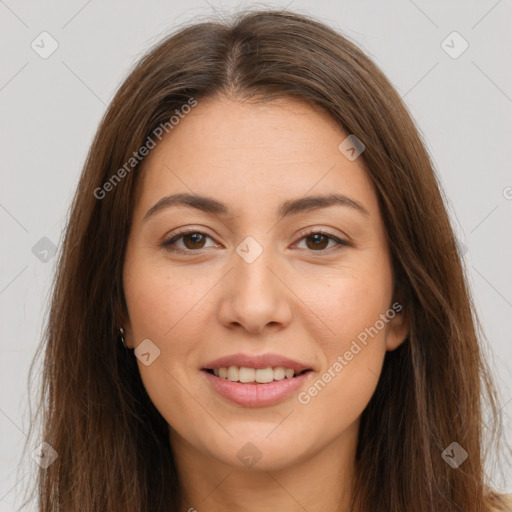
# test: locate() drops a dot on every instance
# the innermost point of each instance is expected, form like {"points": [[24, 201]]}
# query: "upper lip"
{"points": [[256, 361]]}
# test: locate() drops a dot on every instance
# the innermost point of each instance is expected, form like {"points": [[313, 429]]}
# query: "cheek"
{"points": [[167, 306], [351, 296], [352, 307], [355, 309], [162, 301]]}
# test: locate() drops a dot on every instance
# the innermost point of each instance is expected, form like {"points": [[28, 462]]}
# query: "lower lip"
{"points": [[256, 395]]}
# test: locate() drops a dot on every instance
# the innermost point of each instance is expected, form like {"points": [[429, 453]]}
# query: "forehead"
{"points": [[247, 154]]}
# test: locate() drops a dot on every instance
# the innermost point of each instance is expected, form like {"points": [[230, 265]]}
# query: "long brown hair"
{"points": [[112, 444]]}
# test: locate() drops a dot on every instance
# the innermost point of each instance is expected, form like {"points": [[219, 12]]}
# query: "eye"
{"points": [[319, 241], [192, 240]]}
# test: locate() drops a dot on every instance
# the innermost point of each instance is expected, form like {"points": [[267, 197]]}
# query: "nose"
{"points": [[255, 295]]}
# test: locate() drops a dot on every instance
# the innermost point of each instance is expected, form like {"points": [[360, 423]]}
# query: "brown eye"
{"points": [[318, 241], [191, 241]]}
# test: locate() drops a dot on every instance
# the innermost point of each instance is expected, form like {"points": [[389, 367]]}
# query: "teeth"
{"points": [[279, 373], [264, 375], [248, 375], [233, 373]]}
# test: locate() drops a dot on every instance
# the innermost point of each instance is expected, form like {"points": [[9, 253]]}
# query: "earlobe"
{"points": [[398, 330]]}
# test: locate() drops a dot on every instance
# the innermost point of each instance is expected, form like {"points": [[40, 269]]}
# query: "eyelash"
{"points": [[167, 244]]}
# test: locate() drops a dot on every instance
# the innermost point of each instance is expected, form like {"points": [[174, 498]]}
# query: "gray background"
{"points": [[50, 110]]}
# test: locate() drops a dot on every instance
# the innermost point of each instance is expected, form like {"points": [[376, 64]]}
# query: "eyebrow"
{"points": [[286, 209]]}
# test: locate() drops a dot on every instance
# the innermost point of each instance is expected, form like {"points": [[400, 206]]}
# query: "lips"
{"points": [[259, 361], [231, 378]]}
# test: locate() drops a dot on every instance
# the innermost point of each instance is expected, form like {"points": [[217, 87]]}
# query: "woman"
{"points": [[259, 303]]}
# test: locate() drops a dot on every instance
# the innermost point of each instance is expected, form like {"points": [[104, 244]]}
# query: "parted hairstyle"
{"points": [[113, 445]]}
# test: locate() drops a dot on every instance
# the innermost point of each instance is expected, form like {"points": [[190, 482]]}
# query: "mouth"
{"points": [[255, 381]]}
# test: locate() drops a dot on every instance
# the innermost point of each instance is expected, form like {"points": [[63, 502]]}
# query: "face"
{"points": [[259, 277]]}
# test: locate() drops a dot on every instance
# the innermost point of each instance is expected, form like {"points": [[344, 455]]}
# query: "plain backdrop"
{"points": [[458, 88]]}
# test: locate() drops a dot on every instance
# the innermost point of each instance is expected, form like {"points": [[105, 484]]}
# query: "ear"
{"points": [[398, 326]]}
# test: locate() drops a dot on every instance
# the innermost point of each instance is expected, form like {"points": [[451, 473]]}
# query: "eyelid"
{"points": [[322, 231]]}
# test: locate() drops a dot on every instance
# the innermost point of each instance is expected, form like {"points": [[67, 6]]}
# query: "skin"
{"points": [[305, 301]]}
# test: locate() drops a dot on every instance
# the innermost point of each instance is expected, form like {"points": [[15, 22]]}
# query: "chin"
{"points": [[258, 452]]}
